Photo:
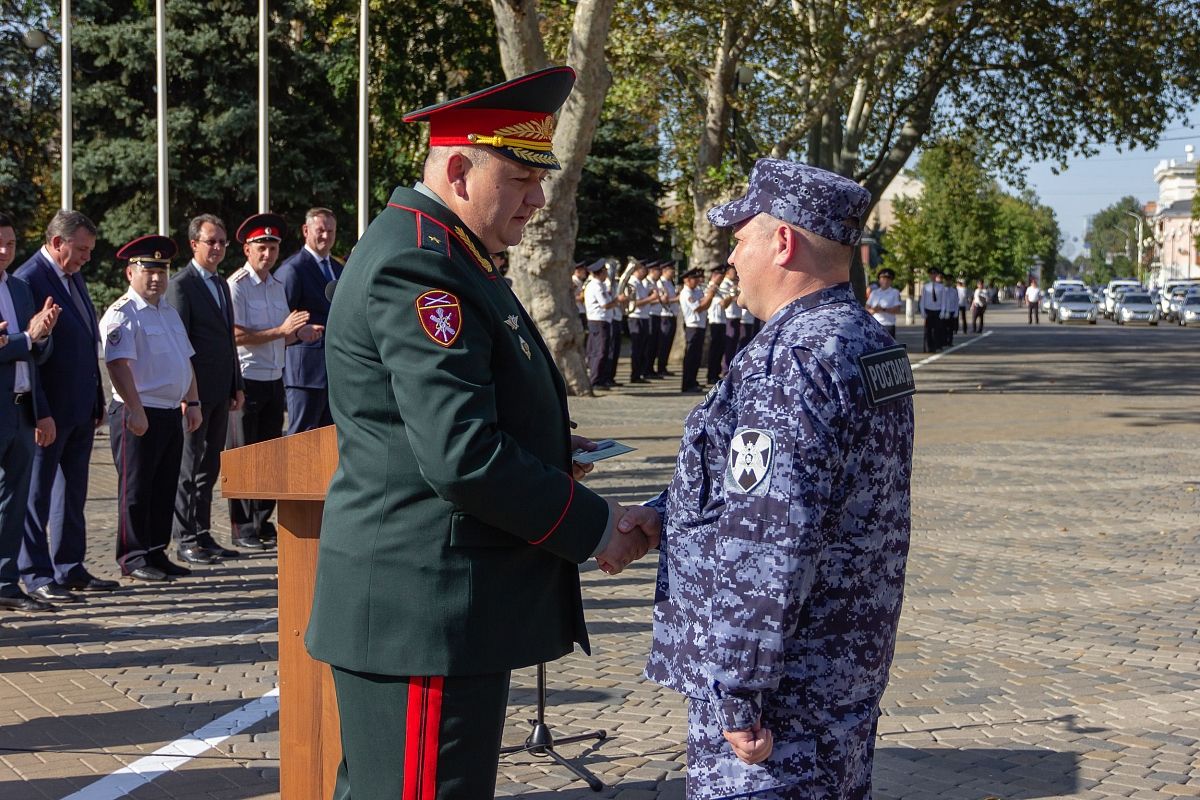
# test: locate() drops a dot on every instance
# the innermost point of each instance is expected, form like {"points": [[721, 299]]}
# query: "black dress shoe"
{"points": [[53, 593], [250, 542], [170, 568], [215, 549], [195, 554], [153, 574], [23, 602], [638, 380], [89, 583]]}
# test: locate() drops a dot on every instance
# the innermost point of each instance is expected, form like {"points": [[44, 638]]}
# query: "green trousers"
{"points": [[419, 738]]}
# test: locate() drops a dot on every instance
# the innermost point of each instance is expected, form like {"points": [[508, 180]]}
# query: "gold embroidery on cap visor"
{"points": [[530, 141]]}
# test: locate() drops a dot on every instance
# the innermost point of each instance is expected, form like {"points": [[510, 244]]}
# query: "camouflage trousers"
{"points": [[818, 754]]}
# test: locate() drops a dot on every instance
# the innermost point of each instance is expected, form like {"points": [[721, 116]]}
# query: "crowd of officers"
{"points": [[645, 301], [190, 344]]}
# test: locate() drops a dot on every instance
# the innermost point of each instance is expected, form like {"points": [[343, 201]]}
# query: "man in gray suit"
{"points": [[24, 342], [202, 299]]}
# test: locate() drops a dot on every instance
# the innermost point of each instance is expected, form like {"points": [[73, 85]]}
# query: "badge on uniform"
{"points": [[114, 335], [751, 454], [887, 375], [525, 348], [512, 321], [440, 315]]}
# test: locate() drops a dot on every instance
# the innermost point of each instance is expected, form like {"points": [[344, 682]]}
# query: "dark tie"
{"points": [[934, 285], [216, 285], [327, 269], [76, 290]]}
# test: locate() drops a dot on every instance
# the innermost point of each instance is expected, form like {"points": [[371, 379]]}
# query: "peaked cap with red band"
{"points": [[266, 227], [152, 251], [515, 118]]}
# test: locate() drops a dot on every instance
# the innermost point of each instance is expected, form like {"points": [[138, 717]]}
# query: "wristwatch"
{"points": [[193, 403]]}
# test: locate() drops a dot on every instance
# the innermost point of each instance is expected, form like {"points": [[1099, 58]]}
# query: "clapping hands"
{"points": [[636, 530]]}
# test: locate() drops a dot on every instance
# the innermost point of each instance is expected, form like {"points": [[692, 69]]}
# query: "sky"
{"points": [[1088, 185]]}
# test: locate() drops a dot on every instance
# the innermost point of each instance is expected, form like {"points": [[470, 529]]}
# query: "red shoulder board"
{"points": [[440, 315]]}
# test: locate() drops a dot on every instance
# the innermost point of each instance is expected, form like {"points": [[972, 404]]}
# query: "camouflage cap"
{"points": [[814, 199]]}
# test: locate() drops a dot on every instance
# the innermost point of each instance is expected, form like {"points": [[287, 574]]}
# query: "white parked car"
{"points": [[1110, 291], [1189, 311], [1077, 307], [1136, 306]]}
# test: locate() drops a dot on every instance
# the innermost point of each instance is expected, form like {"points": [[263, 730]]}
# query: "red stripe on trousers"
{"points": [[423, 721]]}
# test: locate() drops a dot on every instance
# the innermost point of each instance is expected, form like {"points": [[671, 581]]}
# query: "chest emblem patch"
{"points": [[512, 321], [751, 455], [525, 348], [440, 316]]}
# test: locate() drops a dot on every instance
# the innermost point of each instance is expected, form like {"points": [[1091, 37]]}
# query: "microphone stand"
{"points": [[541, 742]]}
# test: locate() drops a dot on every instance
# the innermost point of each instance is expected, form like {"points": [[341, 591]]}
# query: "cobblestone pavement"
{"points": [[1048, 646]]}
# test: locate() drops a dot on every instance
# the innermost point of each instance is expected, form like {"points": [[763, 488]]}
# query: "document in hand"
{"points": [[605, 448]]}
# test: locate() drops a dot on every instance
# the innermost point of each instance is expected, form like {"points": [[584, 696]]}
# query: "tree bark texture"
{"points": [[541, 265]]}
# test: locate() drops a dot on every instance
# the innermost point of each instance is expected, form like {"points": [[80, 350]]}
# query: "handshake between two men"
{"points": [[636, 530]]}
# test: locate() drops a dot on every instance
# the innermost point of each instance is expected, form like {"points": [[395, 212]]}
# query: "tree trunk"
{"points": [[710, 244], [541, 264]]}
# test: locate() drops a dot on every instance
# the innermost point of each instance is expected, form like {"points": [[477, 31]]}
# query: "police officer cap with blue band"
{"points": [[814, 199]]}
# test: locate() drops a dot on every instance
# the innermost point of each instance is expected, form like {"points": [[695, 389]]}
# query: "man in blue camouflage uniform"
{"points": [[786, 526]]}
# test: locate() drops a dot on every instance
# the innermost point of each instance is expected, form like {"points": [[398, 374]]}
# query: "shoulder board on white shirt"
{"points": [[120, 303], [241, 274]]}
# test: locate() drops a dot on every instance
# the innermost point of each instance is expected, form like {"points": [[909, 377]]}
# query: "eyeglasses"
{"points": [[213, 242]]}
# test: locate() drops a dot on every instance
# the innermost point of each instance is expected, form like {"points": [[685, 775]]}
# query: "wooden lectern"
{"points": [[295, 470]]}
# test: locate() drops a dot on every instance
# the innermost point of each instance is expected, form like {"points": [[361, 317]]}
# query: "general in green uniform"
{"points": [[453, 526]]}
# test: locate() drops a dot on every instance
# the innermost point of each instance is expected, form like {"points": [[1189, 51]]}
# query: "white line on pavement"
{"points": [[179, 752], [950, 350]]}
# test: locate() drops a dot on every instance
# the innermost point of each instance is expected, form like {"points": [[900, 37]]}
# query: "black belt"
{"points": [[22, 397]]}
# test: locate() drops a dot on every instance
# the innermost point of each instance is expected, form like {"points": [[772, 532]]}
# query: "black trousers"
{"points": [[262, 421], [639, 347], [55, 529], [733, 340], [962, 318], [147, 476], [977, 319], [693, 346], [1034, 312], [933, 331], [419, 738], [16, 458], [614, 350], [716, 350], [198, 470], [949, 326], [597, 351], [666, 338]]}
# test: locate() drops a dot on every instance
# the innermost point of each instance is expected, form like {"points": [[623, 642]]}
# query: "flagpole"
{"points": [[160, 22], [67, 167], [264, 199], [363, 124]]}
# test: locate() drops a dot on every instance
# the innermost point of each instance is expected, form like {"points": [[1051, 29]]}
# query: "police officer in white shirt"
{"points": [[620, 298], [716, 328], [732, 318], [148, 355], [578, 279], [933, 295], [668, 317], [695, 303], [949, 315], [262, 327], [884, 301], [642, 296], [599, 303], [654, 328]]}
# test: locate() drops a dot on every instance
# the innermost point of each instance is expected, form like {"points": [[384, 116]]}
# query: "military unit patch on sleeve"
{"points": [[887, 375], [440, 315], [114, 335], [751, 455]]}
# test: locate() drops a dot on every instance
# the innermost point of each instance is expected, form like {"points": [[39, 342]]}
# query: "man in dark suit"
{"points": [[202, 299], [24, 342], [71, 401], [454, 525], [306, 276]]}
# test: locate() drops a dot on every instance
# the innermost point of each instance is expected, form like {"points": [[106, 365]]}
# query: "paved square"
{"points": [[1048, 646]]}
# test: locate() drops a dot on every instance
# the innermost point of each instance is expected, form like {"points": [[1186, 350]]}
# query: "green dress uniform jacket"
{"points": [[452, 527]]}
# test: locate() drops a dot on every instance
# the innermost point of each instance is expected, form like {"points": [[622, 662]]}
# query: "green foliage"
{"points": [[1111, 241], [964, 225], [618, 195], [29, 97]]}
